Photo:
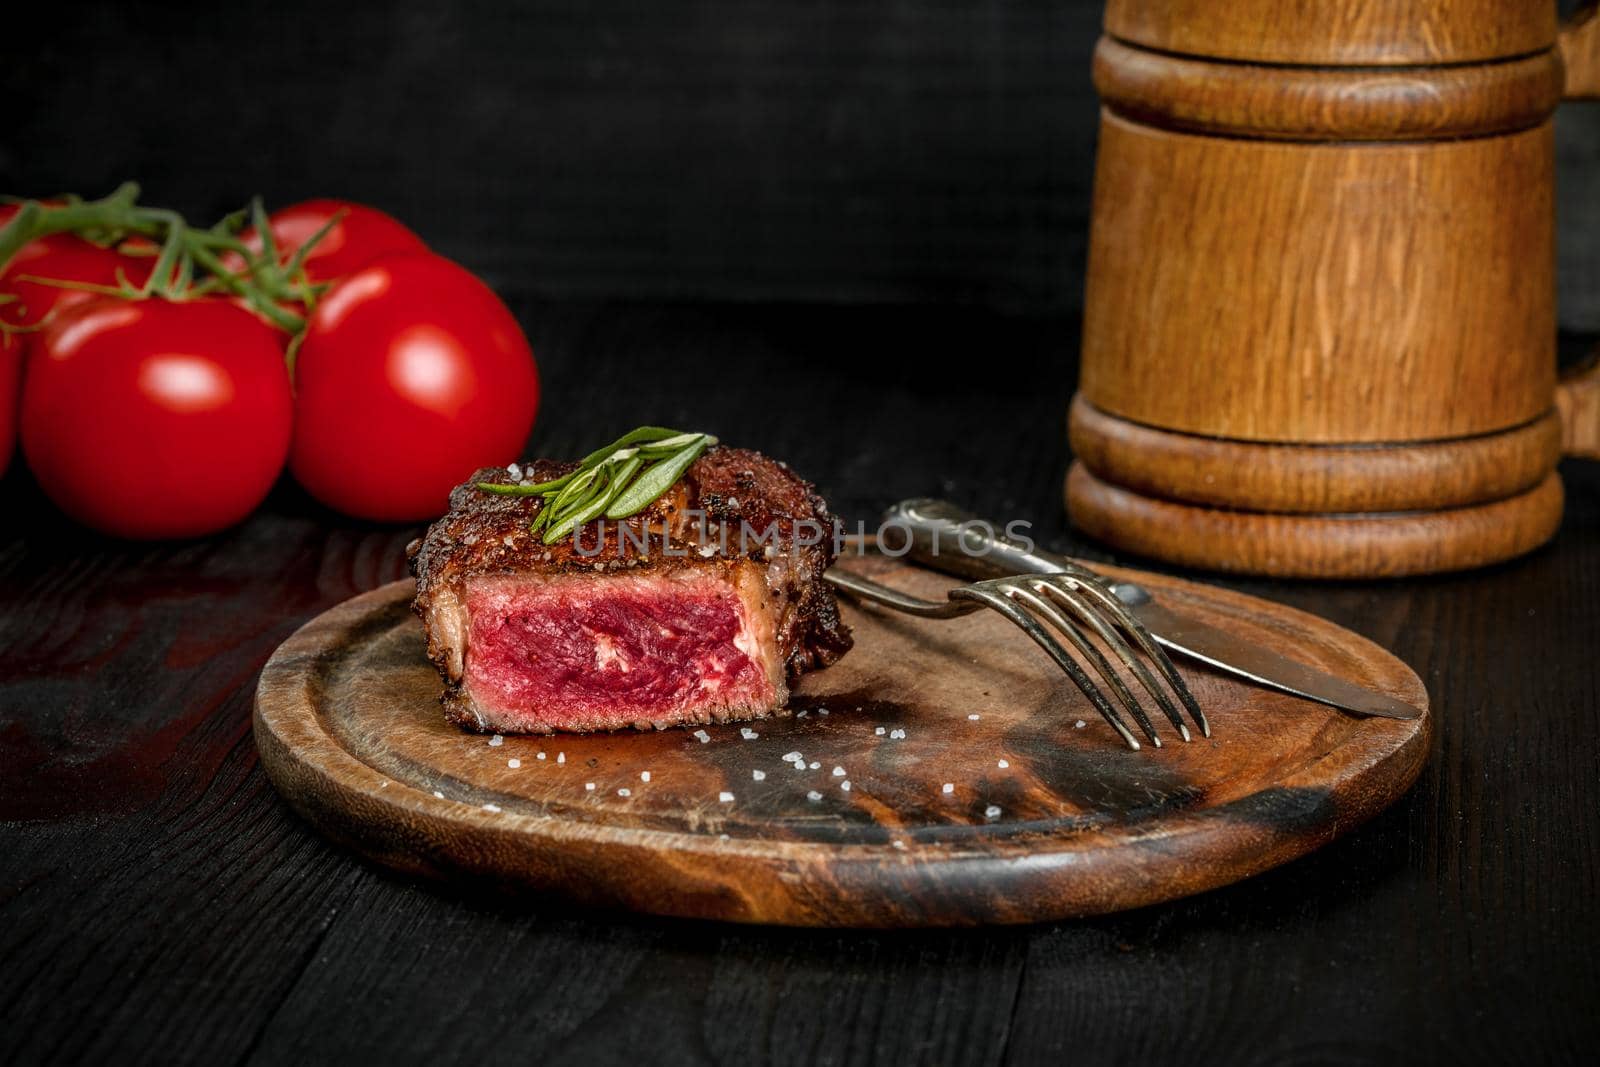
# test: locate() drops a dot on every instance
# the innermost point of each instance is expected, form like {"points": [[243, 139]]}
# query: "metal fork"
{"points": [[1075, 604]]}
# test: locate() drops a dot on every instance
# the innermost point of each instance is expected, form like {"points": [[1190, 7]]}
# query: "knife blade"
{"points": [[942, 536]]}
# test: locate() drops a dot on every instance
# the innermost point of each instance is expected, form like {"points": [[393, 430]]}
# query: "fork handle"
{"points": [[948, 539], [877, 593]]}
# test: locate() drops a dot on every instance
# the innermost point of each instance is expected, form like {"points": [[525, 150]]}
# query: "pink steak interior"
{"points": [[587, 653]]}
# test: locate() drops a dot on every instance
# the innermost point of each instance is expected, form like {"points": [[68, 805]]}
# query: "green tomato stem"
{"points": [[263, 282]]}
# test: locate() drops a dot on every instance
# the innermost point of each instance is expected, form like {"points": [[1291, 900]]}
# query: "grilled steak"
{"points": [[702, 608]]}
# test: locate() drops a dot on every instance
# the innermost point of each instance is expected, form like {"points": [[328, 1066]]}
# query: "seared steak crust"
{"points": [[786, 530]]}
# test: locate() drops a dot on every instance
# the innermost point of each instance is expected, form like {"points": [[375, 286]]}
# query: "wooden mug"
{"points": [[1319, 332]]}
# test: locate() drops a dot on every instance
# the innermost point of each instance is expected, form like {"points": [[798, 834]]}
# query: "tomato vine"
{"points": [[190, 261]]}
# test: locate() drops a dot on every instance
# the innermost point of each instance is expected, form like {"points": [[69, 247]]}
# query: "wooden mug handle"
{"points": [[1578, 395], [1578, 401], [1580, 52]]}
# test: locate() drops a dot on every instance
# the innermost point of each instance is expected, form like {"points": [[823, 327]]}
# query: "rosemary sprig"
{"points": [[616, 481]]}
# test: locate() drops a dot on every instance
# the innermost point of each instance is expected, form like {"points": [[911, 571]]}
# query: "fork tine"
{"points": [[1086, 611], [1085, 648], [1041, 637], [1094, 586]]}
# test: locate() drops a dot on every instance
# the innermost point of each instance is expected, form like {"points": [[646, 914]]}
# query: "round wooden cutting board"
{"points": [[1006, 800]]}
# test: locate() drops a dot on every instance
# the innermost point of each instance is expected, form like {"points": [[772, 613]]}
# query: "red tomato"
{"points": [[411, 375], [10, 376], [361, 235], [150, 419], [10, 381], [63, 257]]}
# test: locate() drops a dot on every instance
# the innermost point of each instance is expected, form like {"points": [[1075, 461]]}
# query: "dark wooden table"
{"points": [[159, 903]]}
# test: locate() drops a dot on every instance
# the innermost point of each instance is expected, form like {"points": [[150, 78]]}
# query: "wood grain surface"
{"points": [[1328, 479], [1327, 103], [903, 814], [161, 904], [1353, 34], [1350, 545], [1321, 294]]}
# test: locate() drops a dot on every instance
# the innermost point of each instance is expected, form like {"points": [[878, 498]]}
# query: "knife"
{"points": [[942, 536]]}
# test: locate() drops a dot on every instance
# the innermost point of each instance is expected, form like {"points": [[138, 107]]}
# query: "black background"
{"points": [[916, 151], [790, 169]]}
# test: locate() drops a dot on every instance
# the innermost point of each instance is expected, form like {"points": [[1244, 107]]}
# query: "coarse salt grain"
{"points": [[561, 757], [496, 741], [991, 812], [644, 776], [974, 716], [896, 735], [1003, 764], [541, 755], [491, 807], [513, 763], [845, 785], [822, 711], [589, 786], [838, 772], [747, 733], [624, 792], [814, 765], [1080, 724], [702, 736], [438, 794], [880, 731], [725, 797], [513, 470], [790, 757], [813, 796], [949, 787], [759, 776]]}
